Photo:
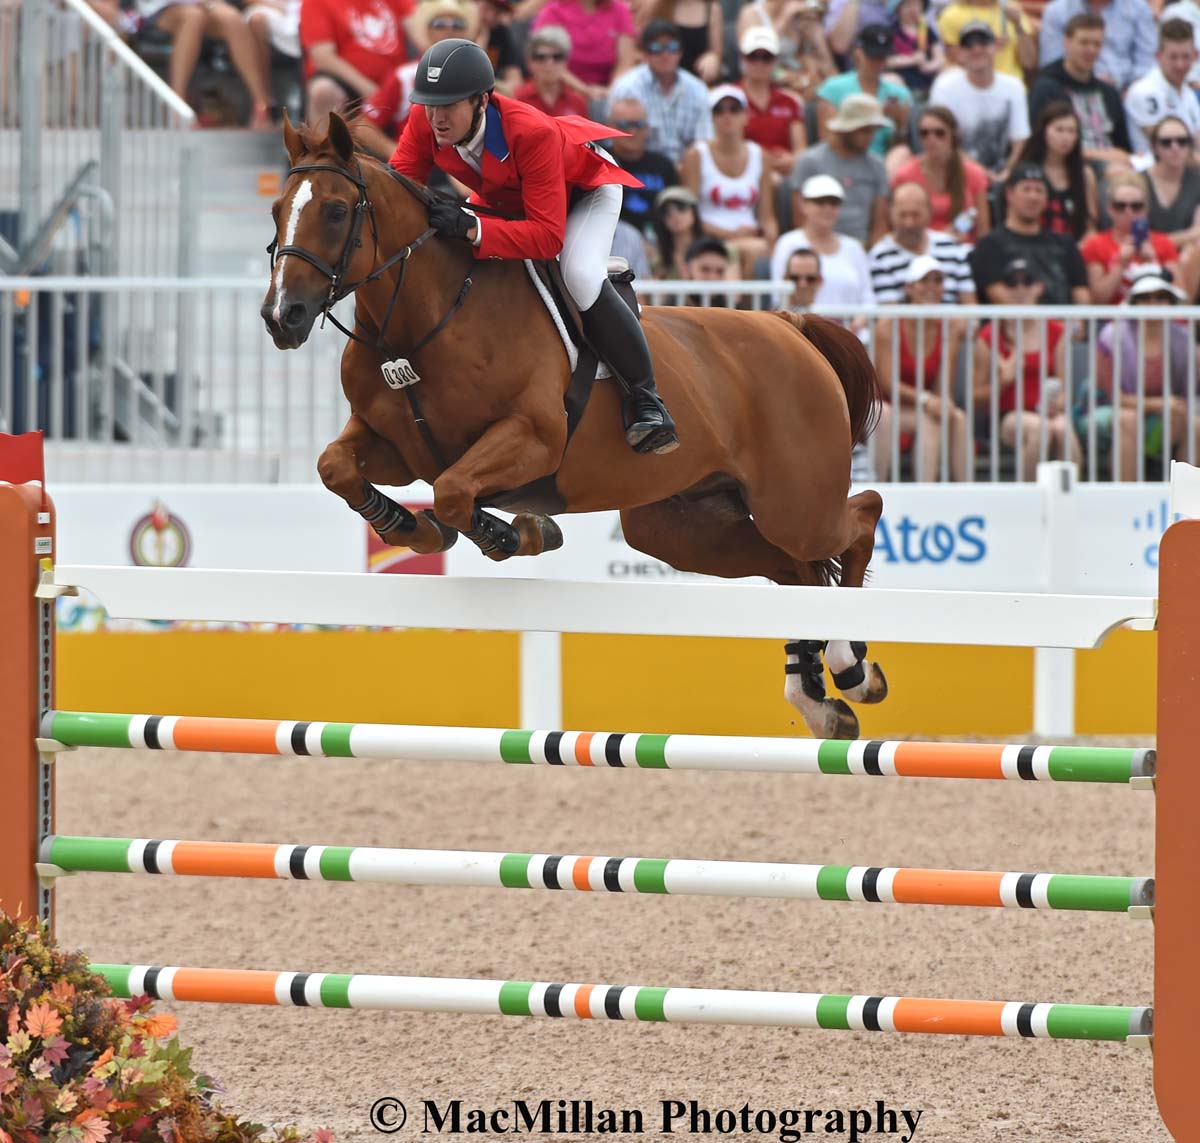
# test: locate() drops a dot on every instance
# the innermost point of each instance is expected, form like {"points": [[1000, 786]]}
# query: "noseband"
{"points": [[338, 288]]}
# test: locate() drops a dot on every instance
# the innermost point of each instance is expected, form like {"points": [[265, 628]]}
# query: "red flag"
{"points": [[22, 459]]}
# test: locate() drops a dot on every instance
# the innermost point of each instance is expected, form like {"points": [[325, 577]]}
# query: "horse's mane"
{"points": [[315, 136]]}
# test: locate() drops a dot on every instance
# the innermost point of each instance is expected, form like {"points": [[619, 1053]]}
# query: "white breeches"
{"points": [[591, 223]]}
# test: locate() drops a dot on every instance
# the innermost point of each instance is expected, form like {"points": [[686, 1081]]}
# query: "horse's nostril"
{"points": [[295, 316]]}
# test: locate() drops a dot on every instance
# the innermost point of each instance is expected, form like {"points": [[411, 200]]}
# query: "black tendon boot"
{"points": [[616, 335]]}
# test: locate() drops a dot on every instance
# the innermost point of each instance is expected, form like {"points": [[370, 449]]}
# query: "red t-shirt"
{"points": [[1031, 371], [975, 179], [1101, 249], [367, 34], [568, 103], [771, 126]]}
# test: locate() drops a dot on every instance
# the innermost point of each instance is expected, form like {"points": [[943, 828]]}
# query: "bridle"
{"points": [[338, 287]]}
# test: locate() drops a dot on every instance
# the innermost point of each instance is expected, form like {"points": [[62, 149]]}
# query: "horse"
{"points": [[768, 407]]}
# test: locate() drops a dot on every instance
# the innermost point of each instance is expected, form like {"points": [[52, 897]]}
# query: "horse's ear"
{"points": [[340, 138], [291, 139]]}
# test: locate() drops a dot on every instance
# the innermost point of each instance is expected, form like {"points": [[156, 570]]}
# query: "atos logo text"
{"points": [[1155, 521], [908, 541]]}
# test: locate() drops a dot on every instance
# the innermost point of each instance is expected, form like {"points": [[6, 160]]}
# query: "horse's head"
{"points": [[319, 221]]}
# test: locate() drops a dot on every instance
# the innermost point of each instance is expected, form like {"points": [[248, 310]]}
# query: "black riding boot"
{"points": [[616, 335]]}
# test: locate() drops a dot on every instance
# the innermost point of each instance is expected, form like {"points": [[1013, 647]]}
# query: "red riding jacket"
{"points": [[530, 162]]}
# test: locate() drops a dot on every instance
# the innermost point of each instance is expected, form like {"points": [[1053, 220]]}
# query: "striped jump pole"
{"points": [[631, 1002], [597, 874], [586, 748]]}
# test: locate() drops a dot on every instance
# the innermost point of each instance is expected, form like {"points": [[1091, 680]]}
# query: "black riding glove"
{"points": [[450, 219]]}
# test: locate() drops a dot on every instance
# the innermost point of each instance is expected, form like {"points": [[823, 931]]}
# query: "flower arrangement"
{"points": [[78, 1066]]}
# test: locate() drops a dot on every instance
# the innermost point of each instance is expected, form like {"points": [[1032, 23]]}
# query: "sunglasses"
{"points": [[727, 107], [804, 279], [761, 57], [933, 132], [975, 42], [1172, 141], [448, 23], [660, 46], [548, 57], [1122, 207], [1017, 282], [1160, 299], [830, 201], [935, 277], [630, 124]]}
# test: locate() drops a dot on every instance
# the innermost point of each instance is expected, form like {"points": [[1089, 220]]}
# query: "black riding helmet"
{"points": [[450, 71]]}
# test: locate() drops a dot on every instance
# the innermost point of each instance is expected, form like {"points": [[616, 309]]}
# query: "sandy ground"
{"points": [[321, 1068]]}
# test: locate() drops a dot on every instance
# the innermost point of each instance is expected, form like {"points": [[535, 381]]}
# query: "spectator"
{"points": [[1111, 255], [1173, 185], [731, 182], [1053, 259], [846, 20], [1129, 36], [495, 35], [603, 38], [1187, 10], [629, 244], [701, 29], [676, 101], [1056, 145], [862, 176], [1011, 30], [957, 187], [676, 227], [804, 272], [275, 26], [549, 50], [655, 171], [846, 277], [917, 54], [911, 238], [776, 119], [805, 61], [1097, 104], [386, 109], [1127, 350], [870, 60], [708, 260], [350, 48], [914, 384], [1164, 89], [993, 118], [188, 23], [1043, 351]]}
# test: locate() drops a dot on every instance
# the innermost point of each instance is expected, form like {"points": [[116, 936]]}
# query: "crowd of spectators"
{"points": [[861, 151]]}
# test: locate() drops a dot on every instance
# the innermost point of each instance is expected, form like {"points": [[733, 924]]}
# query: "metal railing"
{"points": [[96, 158], [186, 385]]}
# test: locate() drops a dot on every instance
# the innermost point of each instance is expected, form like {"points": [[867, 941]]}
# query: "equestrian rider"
{"points": [[522, 162]]}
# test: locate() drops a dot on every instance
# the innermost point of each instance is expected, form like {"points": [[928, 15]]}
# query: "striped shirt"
{"points": [[889, 261]]}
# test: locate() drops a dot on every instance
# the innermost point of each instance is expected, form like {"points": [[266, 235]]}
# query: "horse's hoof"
{"points": [[449, 535], [872, 689], [538, 534]]}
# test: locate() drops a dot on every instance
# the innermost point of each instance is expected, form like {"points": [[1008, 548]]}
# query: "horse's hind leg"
{"points": [[856, 676], [359, 456], [716, 536]]}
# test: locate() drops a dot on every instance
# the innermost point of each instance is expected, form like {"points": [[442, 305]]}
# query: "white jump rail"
{"points": [[346, 599]]}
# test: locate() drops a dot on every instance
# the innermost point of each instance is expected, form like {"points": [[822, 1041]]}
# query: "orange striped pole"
{"points": [[1177, 840], [26, 688]]}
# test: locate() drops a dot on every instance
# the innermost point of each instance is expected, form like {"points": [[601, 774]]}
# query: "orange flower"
{"points": [[159, 1025], [41, 1020]]}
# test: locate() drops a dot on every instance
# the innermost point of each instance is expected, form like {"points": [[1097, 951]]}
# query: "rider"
{"points": [[522, 162]]}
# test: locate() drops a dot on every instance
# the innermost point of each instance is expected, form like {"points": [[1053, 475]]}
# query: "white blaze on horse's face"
{"points": [[300, 199]]}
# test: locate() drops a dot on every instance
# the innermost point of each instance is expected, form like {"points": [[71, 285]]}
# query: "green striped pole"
{"points": [[631, 1002], [588, 748], [598, 874]]}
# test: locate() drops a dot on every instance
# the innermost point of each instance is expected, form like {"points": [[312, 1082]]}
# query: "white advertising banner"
{"points": [[966, 537]]}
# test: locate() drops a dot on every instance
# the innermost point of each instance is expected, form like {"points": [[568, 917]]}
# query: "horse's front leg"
{"points": [[349, 465], [509, 454]]}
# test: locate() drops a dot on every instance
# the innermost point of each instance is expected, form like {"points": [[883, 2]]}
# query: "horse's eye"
{"points": [[337, 212]]}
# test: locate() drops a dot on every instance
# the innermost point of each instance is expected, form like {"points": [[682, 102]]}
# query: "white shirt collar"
{"points": [[472, 150]]}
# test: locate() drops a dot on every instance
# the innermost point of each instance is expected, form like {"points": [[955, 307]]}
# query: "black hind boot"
{"points": [[616, 335]]}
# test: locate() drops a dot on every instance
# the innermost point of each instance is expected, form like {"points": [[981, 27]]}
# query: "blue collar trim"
{"points": [[494, 141]]}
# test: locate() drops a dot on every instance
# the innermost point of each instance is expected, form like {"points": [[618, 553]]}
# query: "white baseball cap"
{"points": [[759, 39], [727, 91], [921, 267], [822, 186]]}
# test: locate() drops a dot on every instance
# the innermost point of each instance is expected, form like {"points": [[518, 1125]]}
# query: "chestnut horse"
{"points": [[768, 408]]}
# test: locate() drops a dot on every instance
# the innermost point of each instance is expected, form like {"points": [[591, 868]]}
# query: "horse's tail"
{"points": [[850, 361]]}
